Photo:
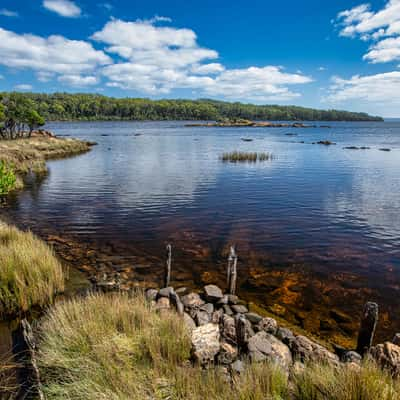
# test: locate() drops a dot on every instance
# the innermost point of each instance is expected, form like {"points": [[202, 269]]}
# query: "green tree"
{"points": [[34, 120]]}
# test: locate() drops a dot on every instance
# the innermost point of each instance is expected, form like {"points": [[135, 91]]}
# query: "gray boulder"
{"points": [[213, 293], [286, 336], [351, 357], [189, 323], [227, 353], [266, 347], [306, 350], [192, 300], [151, 294], [239, 309], [202, 317], [396, 339], [166, 292], [253, 317], [228, 328]]}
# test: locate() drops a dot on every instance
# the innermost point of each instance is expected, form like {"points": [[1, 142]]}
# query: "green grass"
{"points": [[117, 347], [30, 274], [241, 156]]}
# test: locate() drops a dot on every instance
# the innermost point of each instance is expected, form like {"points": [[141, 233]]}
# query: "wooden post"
{"points": [[241, 332], [168, 266], [30, 344], [229, 270], [233, 271], [367, 328]]}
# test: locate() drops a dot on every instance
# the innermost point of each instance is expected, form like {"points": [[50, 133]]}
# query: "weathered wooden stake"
{"points": [[30, 344], [168, 266], [367, 328], [232, 273], [229, 269]]}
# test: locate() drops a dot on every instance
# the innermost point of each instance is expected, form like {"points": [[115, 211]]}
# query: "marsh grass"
{"points": [[241, 156], [116, 346], [30, 155], [30, 274]]}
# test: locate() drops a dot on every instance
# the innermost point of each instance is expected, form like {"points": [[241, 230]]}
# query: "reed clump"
{"points": [[241, 156], [116, 346], [30, 274]]}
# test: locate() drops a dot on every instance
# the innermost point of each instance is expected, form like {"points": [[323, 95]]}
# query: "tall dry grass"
{"points": [[30, 274]]}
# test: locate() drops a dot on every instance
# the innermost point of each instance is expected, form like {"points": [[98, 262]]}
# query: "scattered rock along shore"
{"points": [[224, 332], [254, 124]]}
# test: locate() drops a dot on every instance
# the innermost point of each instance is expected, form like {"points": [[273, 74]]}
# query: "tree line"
{"points": [[67, 107]]}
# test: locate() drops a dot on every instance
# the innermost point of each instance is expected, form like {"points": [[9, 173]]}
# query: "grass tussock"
{"points": [[30, 274], [117, 347], [241, 156], [30, 155]]}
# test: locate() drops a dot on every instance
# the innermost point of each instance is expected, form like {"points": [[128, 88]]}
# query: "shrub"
{"points": [[7, 178]]}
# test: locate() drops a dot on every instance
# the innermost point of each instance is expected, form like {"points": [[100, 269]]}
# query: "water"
{"points": [[317, 228]]}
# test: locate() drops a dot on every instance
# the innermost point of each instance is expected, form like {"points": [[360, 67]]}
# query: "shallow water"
{"points": [[317, 228]]}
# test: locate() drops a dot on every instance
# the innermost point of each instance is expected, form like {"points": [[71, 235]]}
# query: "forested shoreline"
{"points": [[90, 107]]}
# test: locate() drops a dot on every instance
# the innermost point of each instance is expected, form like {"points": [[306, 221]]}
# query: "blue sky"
{"points": [[342, 54]]}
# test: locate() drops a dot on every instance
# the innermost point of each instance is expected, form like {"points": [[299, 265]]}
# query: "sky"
{"points": [[335, 54]]}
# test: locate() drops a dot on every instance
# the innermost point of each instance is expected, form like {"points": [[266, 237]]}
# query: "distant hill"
{"points": [[65, 106]]}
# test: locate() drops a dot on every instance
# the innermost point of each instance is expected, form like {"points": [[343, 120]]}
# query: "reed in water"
{"points": [[241, 156]]}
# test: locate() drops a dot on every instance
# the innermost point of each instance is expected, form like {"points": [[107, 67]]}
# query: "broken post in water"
{"points": [[367, 329], [168, 266], [232, 271]]}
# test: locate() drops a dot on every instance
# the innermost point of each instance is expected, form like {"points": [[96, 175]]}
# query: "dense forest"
{"points": [[64, 106]]}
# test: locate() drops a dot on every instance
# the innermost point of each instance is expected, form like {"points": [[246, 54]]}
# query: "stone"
{"points": [[151, 294], [228, 328], [396, 339], [227, 353], [351, 357], [387, 355], [239, 309], [189, 323], [208, 308], [285, 335], [268, 325], [307, 350], [253, 317], [223, 301], [237, 367], [217, 316], [192, 300], [205, 343], [163, 303], [202, 318], [181, 291], [213, 293], [176, 301], [227, 310], [265, 347], [232, 299], [166, 292]]}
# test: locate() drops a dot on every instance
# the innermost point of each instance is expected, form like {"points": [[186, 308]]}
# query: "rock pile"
{"points": [[225, 333]]}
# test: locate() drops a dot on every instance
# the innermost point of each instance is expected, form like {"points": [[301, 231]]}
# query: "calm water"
{"points": [[317, 228]]}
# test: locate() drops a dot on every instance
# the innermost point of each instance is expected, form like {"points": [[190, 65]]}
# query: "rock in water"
{"points": [[264, 346], [205, 343], [213, 293], [387, 356]]}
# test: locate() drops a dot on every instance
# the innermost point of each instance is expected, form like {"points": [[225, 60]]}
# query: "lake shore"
{"points": [[29, 155]]}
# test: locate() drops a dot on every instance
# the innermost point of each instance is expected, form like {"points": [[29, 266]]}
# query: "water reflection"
{"points": [[317, 228]]}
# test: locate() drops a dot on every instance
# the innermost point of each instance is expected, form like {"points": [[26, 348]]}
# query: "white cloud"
{"points": [[321, 69], [23, 87], [78, 80], [54, 54], [378, 94], [160, 59], [65, 8], [382, 27], [8, 13]]}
